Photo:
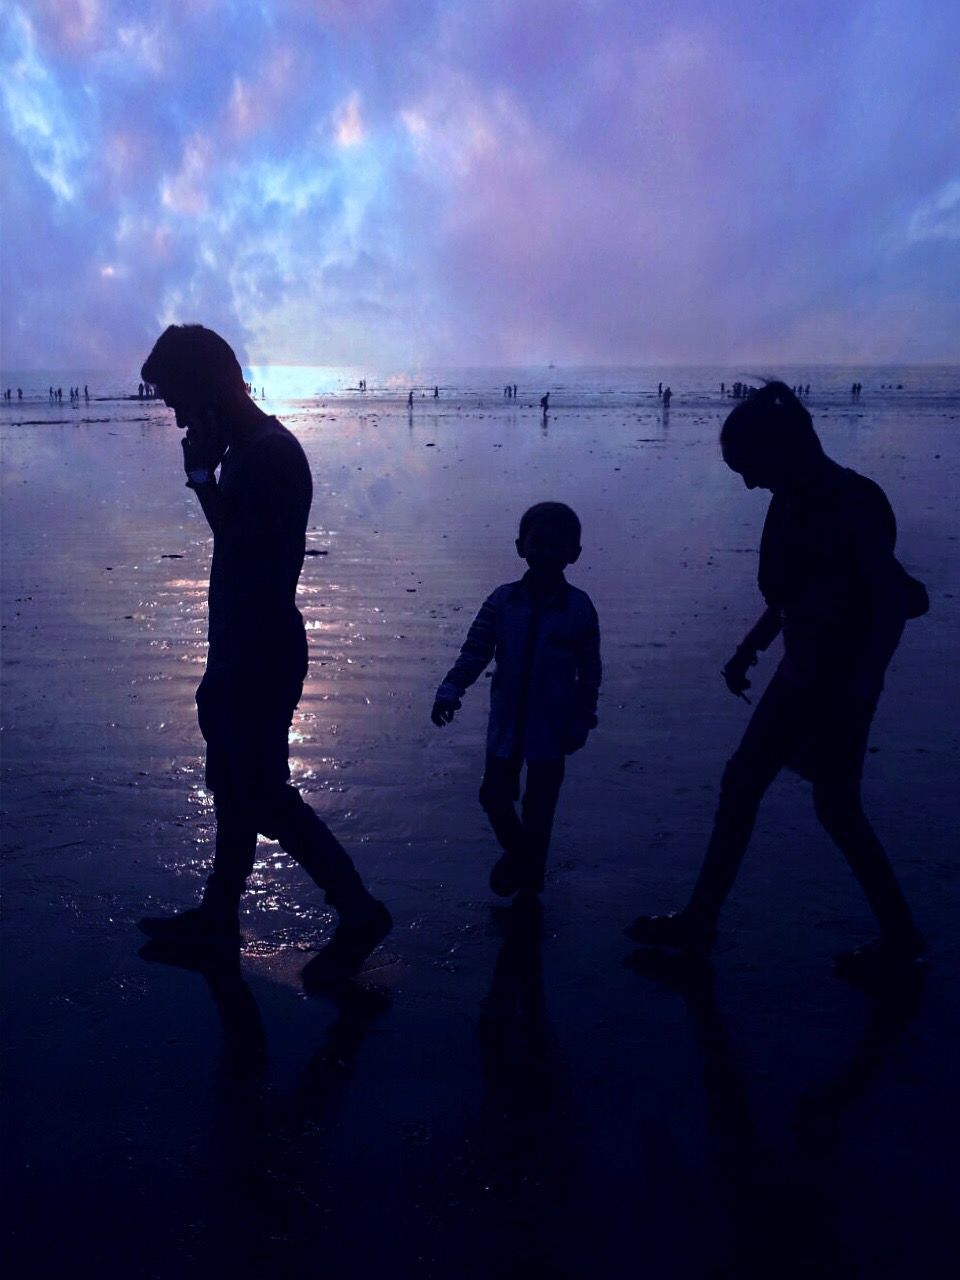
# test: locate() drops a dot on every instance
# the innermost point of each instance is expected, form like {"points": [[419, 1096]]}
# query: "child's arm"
{"points": [[589, 675], [478, 649]]}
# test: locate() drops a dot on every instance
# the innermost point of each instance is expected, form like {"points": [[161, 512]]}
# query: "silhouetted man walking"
{"points": [[834, 587], [257, 656]]}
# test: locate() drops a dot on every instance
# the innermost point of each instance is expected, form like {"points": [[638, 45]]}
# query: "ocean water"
{"points": [[919, 388]]}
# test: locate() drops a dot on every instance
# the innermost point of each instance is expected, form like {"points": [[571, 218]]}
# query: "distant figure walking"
{"points": [[833, 586], [436, 393], [86, 393], [545, 637], [514, 391], [257, 654], [19, 393], [667, 397], [659, 390], [410, 399], [140, 390], [545, 403]]}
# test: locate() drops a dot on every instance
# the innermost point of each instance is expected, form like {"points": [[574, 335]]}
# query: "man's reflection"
{"points": [[271, 1202]]}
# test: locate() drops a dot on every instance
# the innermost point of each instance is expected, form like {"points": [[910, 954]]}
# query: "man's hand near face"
{"points": [[203, 444]]}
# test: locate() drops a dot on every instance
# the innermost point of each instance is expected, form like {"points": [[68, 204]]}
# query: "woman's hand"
{"points": [[735, 672]]}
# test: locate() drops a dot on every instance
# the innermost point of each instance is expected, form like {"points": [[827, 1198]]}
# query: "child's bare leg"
{"points": [[498, 794], [539, 805]]}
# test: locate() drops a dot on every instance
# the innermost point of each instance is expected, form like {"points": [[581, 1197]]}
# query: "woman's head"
{"points": [[769, 439]]}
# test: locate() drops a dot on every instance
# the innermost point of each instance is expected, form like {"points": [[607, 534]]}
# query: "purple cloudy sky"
{"points": [[386, 182]]}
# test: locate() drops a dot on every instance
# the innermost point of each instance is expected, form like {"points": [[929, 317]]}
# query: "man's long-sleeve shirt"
{"points": [[547, 677]]}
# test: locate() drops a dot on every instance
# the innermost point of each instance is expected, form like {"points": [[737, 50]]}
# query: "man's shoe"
{"points": [[673, 930], [197, 926], [507, 875], [352, 942], [885, 960]]}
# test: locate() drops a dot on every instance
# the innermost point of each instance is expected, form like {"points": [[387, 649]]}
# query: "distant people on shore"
{"points": [[410, 399], [855, 390], [723, 388], [667, 397], [545, 403], [659, 390], [436, 393], [544, 636], [741, 390]]}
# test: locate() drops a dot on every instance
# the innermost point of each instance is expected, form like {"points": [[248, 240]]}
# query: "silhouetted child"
{"points": [[545, 637]]}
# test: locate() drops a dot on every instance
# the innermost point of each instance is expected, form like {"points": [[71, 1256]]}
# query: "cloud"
{"points": [[939, 217], [402, 181], [348, 123], [38, 113]]}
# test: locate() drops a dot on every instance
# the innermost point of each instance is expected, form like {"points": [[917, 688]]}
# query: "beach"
{"points": [[474, 1104]]}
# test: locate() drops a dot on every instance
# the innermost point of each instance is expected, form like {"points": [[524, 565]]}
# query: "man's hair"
{"points": [[558, 514], [193, 364], [771, 424]]}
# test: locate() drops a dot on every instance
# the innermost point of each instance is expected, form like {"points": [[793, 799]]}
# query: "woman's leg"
{"points": [[839, 808], [770, 736]]}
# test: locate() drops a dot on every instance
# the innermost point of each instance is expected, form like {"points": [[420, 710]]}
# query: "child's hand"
{"points": [[577, 733], [443, 711]]}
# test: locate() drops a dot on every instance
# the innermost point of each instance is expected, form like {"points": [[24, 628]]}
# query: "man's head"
{"points": [[549, 537], [195, 371], [769, 439]]}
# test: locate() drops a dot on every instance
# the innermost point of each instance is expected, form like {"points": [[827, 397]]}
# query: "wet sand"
{"points": [[479, 1100]]}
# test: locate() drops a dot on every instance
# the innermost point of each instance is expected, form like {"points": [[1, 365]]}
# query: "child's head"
{"points": [[549, 536]]}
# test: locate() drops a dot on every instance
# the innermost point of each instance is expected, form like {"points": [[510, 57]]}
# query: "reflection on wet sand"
{"points": [[773, 1213], [268, 1207], [507, 1197]]}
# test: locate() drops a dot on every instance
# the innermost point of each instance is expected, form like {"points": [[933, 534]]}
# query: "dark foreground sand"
{"points": [[479, 1101]]}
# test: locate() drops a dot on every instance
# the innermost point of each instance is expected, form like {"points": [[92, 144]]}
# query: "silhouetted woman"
{"points": [[833, 586]]}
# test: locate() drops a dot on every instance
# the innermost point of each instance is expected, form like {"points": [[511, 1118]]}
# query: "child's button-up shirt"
{"points": [[543, 695]]}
